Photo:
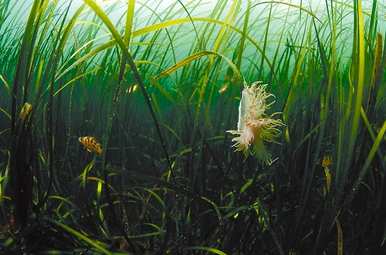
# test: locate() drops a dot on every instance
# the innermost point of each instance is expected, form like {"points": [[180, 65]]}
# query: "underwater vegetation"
{"points": [[192, 127]]}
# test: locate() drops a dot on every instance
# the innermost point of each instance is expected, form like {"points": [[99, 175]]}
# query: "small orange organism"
{"points": [[25, 111], [327, 161], [91, 144]]}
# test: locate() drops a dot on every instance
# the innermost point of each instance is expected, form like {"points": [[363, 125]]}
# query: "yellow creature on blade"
{"points": [[90, 144]]}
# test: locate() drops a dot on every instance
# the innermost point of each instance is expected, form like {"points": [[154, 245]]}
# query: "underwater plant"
{"points": [[254, 126], [157, 80]]}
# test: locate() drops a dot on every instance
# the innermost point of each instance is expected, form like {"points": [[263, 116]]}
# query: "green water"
{"points": [[192, 127]]}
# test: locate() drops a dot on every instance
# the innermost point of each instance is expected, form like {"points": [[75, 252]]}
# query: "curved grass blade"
{"points": [[82, 237], [217, 210], [94, 6], [196, 56], [208, 249]]}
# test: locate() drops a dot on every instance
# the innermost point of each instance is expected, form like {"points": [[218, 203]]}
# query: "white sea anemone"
{"points": [[254, 127]]}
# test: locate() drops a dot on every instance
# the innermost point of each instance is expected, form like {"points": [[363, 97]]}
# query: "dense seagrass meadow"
{"points": [[193, 127]]}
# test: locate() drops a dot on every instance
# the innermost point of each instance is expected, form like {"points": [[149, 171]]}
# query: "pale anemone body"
{"points": [[254, 127]]}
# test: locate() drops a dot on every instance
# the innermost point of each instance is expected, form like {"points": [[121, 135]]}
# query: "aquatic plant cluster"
{"points": [[192, 127]]}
